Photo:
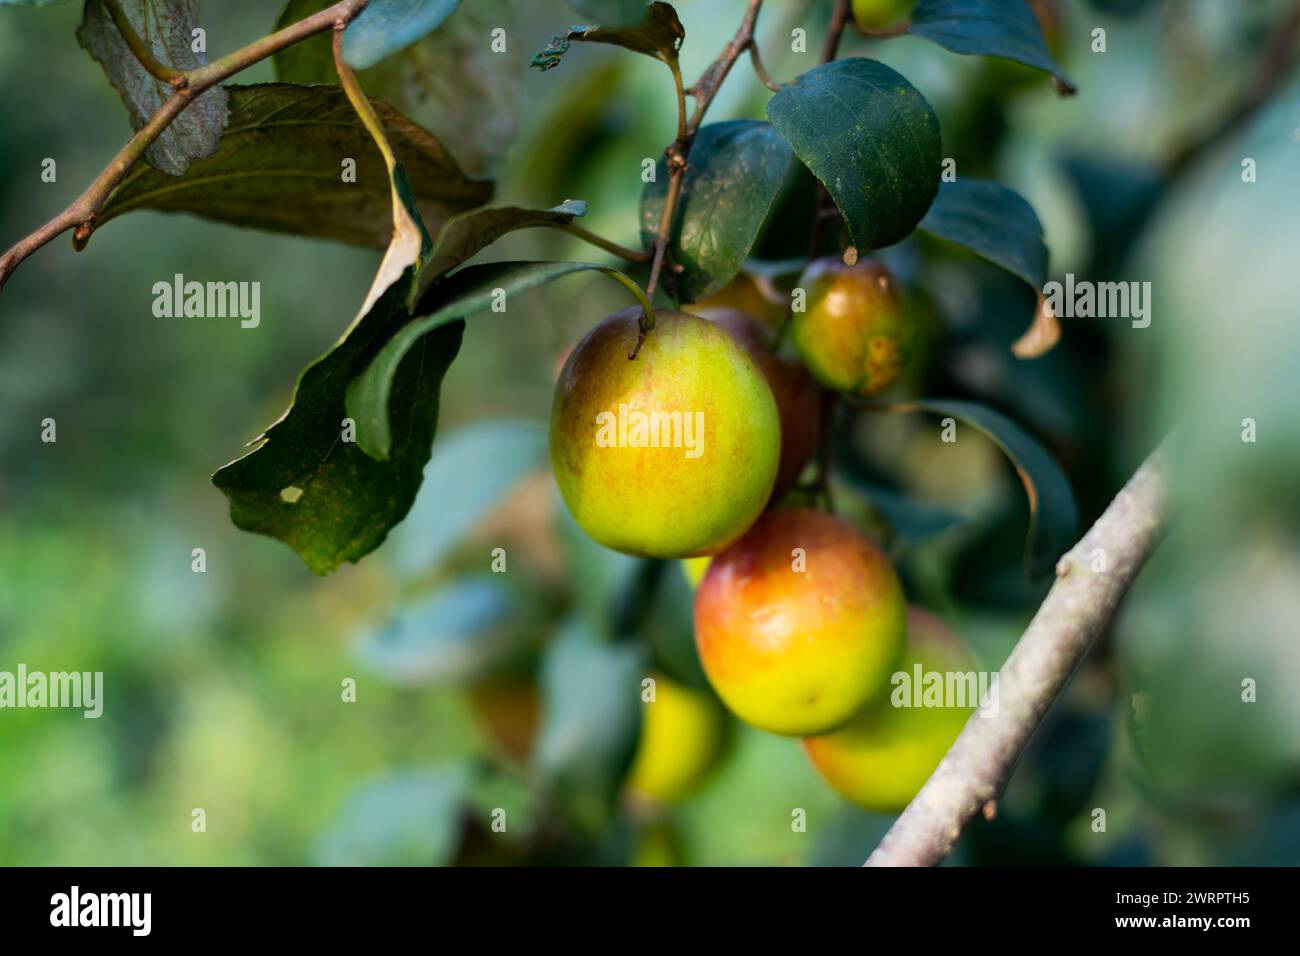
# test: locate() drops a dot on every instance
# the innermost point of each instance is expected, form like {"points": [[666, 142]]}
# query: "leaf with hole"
{"points": [[871, 139], [319, 493], [735, 173]]}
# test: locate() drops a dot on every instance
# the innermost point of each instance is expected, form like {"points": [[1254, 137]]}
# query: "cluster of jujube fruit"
{"points": [[800, 619]]}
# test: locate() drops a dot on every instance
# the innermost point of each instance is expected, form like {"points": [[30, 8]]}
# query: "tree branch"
{"points": [[704, 90], [139, 49], [1080, 603], [80, 216]]}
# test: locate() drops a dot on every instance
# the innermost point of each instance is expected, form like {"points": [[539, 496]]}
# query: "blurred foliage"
{"points": [[224, 690]]}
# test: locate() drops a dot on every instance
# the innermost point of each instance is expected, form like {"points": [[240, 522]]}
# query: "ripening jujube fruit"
{"points": [[881, 758], [853, 333], [800, 623], [876, 14], [683, 732], [798, 397], [672, 454]]}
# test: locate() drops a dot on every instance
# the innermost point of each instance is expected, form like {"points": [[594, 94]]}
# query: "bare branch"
{"points": [[971, 776], [80, 216]]}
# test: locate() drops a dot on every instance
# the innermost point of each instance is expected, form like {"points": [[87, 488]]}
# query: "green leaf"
{"points": [[462, 631], [735, 172], [997, 224], [405, 818], [30, 3], [164, 26], [386, 26], [658, 34], [472, 289], [994, 222], [471, 471], [450, 82], [591, 717], [279, 167], [1053, 515], [871, 139], [468, 234], [321, 495], [1005, 28]]}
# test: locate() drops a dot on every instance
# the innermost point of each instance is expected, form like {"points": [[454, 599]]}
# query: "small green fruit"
{"points": [[853, 332], [683, 732], [672, 454], [881, 758]]}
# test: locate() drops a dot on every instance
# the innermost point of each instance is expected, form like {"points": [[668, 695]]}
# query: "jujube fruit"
{"points": [[853, 332], [882, 757], [672, 454], [683, 732], [800, 623]]}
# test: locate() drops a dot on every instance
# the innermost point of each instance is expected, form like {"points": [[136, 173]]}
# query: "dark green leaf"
{"points": [[459, 632], [1005, 28], [736, 171], [405, 818], [658, 34], [471, 470], [30, 3], [164, 25], [1053, 516], [466, 235], [323, 496], [472, 289], [279, 168], [871, 139], [994, 222], [451, 82], [386, 26], [998, 224], [591, 716]]}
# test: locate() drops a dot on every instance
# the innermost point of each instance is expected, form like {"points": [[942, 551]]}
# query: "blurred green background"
{"points": [[223, 689]]}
